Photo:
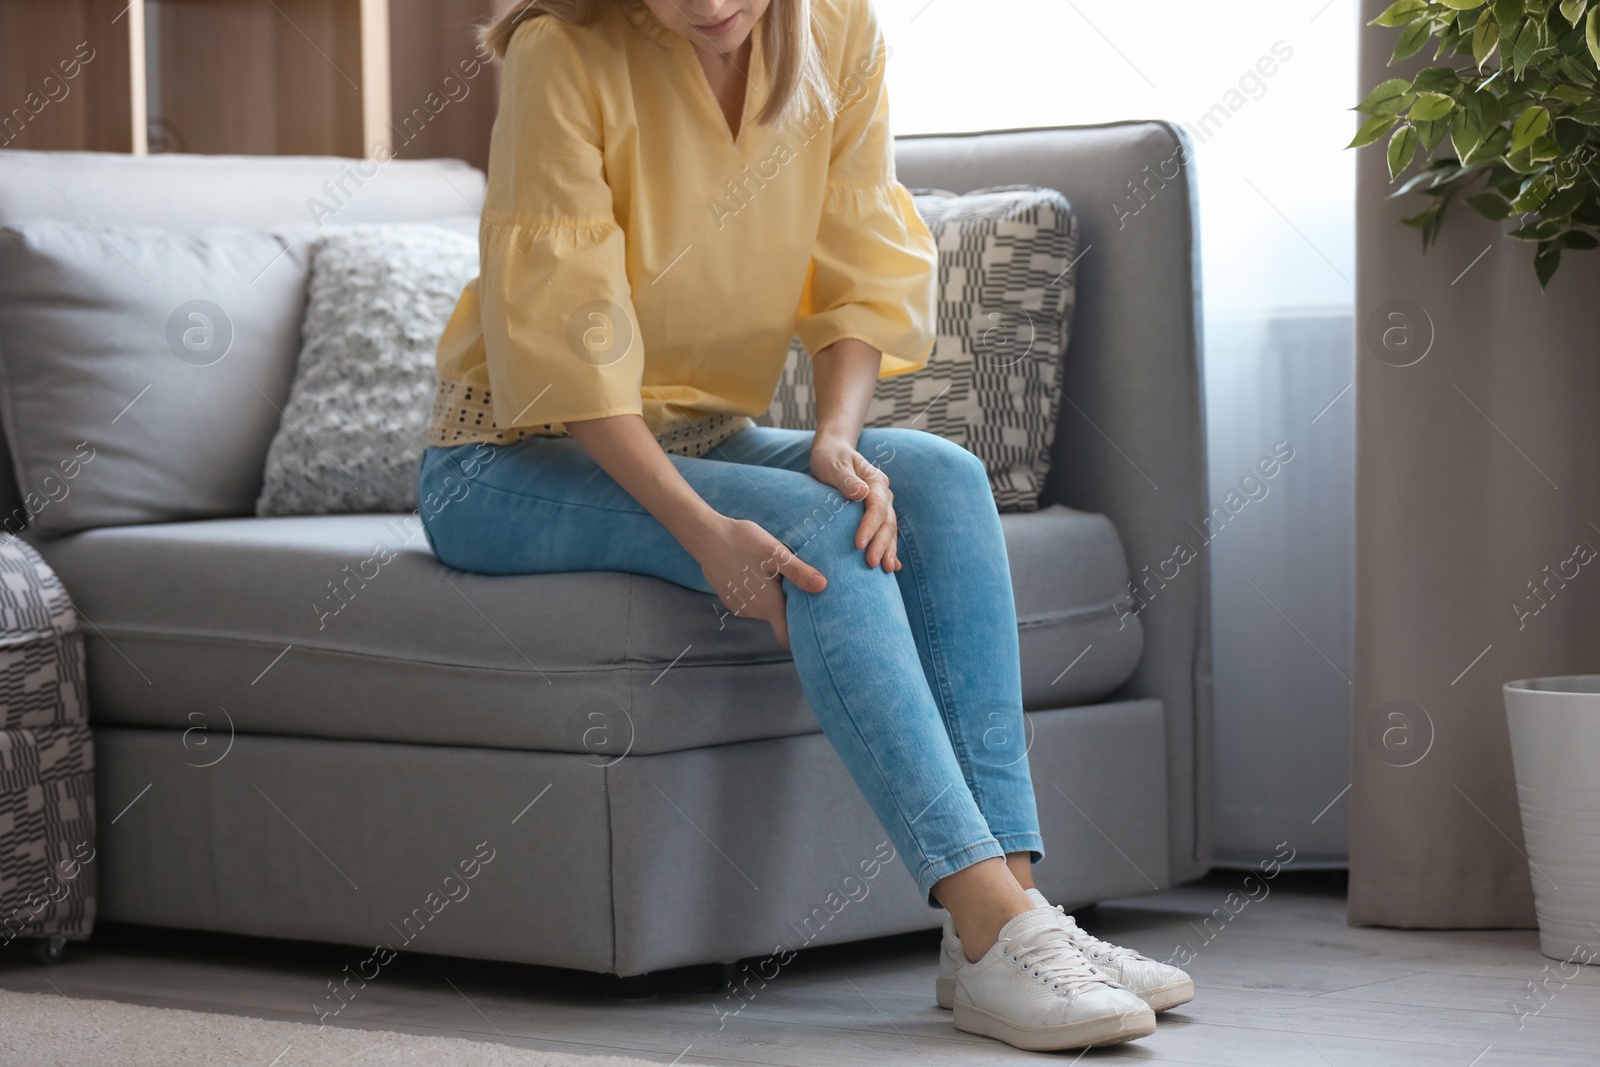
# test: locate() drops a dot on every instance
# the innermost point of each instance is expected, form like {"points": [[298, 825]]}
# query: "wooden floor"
{"points": [[1282, 981]]}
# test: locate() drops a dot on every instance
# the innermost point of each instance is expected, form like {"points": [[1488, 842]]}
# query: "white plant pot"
{"points": [[1555, 749]]}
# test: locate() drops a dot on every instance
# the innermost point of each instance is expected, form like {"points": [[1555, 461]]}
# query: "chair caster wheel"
{"points": [[49, 950]]}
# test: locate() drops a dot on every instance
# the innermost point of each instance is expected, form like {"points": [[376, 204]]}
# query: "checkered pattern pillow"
{"points": [[992, 384]]}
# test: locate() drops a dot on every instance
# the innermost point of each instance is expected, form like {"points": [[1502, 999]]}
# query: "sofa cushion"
{"points": [[143, 370], [353, 426], [346, 626], [992, 384]]}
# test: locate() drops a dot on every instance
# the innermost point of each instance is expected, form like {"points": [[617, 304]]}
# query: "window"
{"points": [[1264, 90]]}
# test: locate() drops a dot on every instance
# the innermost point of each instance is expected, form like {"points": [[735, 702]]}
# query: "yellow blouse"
{"points": [[636, 257]]}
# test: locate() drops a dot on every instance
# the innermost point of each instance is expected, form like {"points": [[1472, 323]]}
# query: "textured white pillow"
{"points": [[352, 431]]}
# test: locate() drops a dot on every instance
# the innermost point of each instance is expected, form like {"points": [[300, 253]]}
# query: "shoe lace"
{"points": [[1050, 956], [1096, 948]]}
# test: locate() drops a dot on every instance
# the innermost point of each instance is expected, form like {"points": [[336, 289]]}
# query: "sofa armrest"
{"points": [[1130, 440]]}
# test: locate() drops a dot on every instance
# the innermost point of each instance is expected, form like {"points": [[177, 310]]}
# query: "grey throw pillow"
{"points": [[992, 384], [142, 370], [353, 428]]}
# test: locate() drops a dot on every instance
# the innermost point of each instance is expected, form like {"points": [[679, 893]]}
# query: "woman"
{"points": [[677, 187]]}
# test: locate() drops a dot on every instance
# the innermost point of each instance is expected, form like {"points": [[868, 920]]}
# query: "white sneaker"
{"points": [[1033, 989], [1158, 984]]}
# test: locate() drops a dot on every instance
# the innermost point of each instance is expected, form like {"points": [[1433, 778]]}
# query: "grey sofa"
{"points": [[647, 785]]}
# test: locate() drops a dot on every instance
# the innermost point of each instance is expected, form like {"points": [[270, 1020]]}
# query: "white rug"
{"points": [[50, 1030]]}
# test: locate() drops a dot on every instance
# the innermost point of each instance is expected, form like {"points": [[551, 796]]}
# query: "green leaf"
{"points": [[1430, 219], [1426, 220], [1508, 11], [1535, 191], [1491, 206], [1389, 98], [1588, 114], [1430, 106], [1579, 239], [1428, 178], [1436, 80], [1484, 39], [1521, 50], [1564, 203], [1591, 34], [1577, 65], [1572, 137], [1467, 130], [1412, 38], [1542, 230], [1463, 5], [1572, 94], [1529, 127], [1401, 12], [1373, 129], [1521, 162], [1572, 10], [1402, 148], [1431, 135], [1545, 262], [1544, 150], [1493, 144], [1487, 107]]}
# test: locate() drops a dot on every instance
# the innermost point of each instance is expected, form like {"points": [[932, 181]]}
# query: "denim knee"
{"points": [[917, 458], [818, 517]]}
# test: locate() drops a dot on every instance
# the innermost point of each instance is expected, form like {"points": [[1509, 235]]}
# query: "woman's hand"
{"points": [[835, 462], [744, 563]]}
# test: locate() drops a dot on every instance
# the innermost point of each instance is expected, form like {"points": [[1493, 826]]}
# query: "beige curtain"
{"points": [[1477, 521]]}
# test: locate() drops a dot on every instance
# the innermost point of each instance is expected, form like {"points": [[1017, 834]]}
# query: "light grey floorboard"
{"points": [[1282, 981]]}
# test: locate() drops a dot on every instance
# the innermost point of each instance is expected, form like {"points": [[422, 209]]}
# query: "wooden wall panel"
{"points": [[42, 42], [258, 77], [444, 96], [248, 76]]}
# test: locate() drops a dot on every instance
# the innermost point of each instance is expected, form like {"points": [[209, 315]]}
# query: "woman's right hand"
{"points": [[743, 564], [741, 561]]}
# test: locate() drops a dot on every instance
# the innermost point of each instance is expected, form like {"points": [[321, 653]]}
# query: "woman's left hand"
{"points": [[835, 462]]}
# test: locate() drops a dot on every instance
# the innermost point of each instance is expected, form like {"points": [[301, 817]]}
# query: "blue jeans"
{"points": [[914, 677]]}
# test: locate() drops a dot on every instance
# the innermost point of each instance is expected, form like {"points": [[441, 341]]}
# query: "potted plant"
{"points": [[1509, 122]]}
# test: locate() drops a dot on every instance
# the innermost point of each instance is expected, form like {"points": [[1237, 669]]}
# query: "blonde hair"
{"points": [[794, 63]]}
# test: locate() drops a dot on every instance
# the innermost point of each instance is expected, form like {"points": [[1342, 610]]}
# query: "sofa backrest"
{"points": [[185, 192], [1130, 440]]}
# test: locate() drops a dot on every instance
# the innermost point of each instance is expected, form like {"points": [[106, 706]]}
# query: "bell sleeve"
{"points": [[873, 271], [561, 340]]}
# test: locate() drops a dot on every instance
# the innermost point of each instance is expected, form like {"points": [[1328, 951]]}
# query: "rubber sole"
{"points": [[1108, 1030], [1163, 999], [1167, 996]]}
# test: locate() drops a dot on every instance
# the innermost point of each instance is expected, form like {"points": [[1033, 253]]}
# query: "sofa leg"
{"points": [[49, 949], [632, 986], [721, 976]]}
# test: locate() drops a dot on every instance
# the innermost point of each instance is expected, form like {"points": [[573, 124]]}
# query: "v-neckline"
{"points": [[647, 21], [716, 101], [709, 94]]}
